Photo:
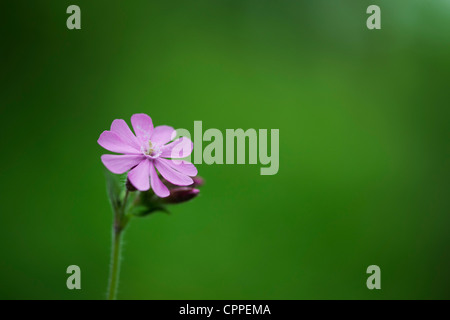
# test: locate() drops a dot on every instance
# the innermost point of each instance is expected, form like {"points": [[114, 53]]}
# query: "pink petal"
{"points": [[179, 148], [120, 127], [112, 142], [163, 134], [142, 125], [181, 166], [172, 175], [121, 163], [139, 176], [158, 187]]}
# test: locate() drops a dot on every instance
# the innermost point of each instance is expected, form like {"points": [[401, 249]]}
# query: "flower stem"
{"points": [[115, 267], [120, 222]]}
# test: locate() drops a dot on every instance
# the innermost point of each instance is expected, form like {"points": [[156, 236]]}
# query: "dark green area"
{"points": [[364, 147]]}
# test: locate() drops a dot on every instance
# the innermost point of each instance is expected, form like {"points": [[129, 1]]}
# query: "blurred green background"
{"points": [[364, 147]]}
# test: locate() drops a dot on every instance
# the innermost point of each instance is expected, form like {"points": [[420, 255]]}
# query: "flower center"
{"points": [[151, 150]]}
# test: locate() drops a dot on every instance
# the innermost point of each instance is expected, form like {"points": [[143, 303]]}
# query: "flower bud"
{"points": [[198, 181], [130, 186], [181, 194]]}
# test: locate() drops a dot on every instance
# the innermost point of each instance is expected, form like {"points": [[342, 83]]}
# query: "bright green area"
{"points": [[364, 147]]}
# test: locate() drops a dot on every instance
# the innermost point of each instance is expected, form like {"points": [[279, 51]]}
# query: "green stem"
{"points": [[120, 221], [115, 267]]}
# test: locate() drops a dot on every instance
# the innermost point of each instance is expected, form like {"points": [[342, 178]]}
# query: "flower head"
{"points": [[146, 150]]}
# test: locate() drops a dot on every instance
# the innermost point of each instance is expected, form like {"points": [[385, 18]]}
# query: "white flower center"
{"points": [[151, 150]]}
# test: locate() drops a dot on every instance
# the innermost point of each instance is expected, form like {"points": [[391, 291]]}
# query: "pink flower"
{"points": [[147, 151]]}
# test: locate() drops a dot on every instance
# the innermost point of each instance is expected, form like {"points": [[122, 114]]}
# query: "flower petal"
{"points": [[112, 142], [121, 163], [120, 127], [158, 187], [181, 166], [172, 175], [139, 176], [163, 134], [142, 125], [179, 148]]}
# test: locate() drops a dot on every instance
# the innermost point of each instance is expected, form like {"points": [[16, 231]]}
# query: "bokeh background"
{"points": [[364, 147]]}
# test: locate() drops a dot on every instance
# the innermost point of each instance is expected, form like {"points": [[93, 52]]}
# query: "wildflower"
{"points": [[147, 150]]}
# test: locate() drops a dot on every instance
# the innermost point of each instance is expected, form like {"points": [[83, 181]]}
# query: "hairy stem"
{"points": [[115, 267], [120, 222]]}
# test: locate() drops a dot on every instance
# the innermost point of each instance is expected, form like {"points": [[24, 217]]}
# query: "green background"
{"points": [[364, 147]]}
